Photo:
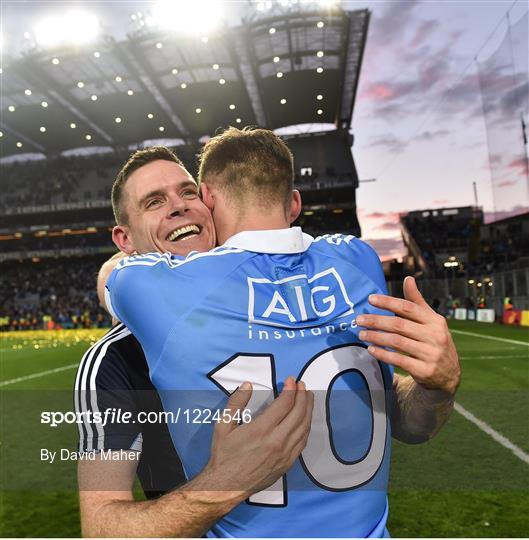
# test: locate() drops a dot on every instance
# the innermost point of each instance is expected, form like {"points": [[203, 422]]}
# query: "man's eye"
{"points": [[190, 193], [153, 202]]}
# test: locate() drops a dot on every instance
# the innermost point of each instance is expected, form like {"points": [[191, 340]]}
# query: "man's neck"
{"points": [[255, 222]]}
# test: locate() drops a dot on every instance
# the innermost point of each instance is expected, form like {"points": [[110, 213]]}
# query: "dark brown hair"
{"points": [[136, 160], [251, 165]]}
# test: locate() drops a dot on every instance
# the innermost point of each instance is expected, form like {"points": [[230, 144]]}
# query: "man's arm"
{"points": [[104, 274], [423, 401], [244, 460]]}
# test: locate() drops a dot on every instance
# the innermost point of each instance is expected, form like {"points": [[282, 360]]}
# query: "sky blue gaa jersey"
{"points": [[264, 306]]}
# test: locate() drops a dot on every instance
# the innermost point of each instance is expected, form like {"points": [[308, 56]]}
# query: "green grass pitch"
{"points": [[463, 483]]}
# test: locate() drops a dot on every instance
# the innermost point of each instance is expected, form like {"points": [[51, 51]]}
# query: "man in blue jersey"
{"points": [[114, 375], [272, 301]]}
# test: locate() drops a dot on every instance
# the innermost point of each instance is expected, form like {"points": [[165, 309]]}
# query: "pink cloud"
{"points": [[387, 248], [506, 183], [388, 226], [377, 92], [388, 216], [424, 31], [489, 217], [519, 163]]}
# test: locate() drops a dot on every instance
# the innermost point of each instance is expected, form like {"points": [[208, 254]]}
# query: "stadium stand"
{"points": [[57, 216], [462, 260], [47, 294]]}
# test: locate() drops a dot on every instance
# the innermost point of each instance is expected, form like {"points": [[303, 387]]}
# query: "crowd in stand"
{"points": [[65, 180], [52, 294], [28, 242]]}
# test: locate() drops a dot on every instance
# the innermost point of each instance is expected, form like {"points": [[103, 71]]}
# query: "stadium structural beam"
{"points": [[355, 42], [46, 85], [8, 129], [290, 51], [246, 69], [144, 74]]}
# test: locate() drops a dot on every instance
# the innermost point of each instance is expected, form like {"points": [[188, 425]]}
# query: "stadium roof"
{"points": [[284, 69]]}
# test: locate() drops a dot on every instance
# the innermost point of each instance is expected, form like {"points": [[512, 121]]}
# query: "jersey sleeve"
{"points": [[366, 259], [137, 295]]}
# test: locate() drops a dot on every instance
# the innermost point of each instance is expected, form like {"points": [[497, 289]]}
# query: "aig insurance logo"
{"points": [[295, 300]]}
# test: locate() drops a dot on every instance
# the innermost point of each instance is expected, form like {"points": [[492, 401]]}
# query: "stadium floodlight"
{"points": [[11, 108], [215, 66], [97, 54], [88, 137], [191, 16], [55, 61], [279, 74], [283, 101], [44, 104], [73, 126], [27, 91], [93, 97], [222, 81], [42, 129], [238, 120], [320, 24], [117, 120], [319, 70], [130, 92], [272, 30], [1, 134], [80, 84], [118, 79], [174, 71], [319, 97], [327, 3], [183, 86], [73, 27], [19, 144], [161, 128], [232, 107], [320, 54], [320, 111], [276, 59], [150, 116], [198, 110]]}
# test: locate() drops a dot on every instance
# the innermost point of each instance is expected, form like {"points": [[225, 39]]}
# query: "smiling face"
{"points": [[164, 212]]}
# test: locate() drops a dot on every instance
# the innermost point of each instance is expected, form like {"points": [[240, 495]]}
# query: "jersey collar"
{"points": [[276, 241]]}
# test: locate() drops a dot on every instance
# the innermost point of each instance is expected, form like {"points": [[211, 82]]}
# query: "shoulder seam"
{"points": [[152, 260]]}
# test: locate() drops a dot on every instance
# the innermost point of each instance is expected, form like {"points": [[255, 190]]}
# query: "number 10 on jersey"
{"points": [[319, 459]]}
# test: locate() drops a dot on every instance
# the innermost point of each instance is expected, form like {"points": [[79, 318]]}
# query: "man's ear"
{"points": [[295, 206], [207, 196], [120, 237]]}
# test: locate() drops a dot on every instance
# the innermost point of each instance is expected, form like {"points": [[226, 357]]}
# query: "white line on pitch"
{"points": [[37, 375], [504, 340], [498, 437], [500, 357]]}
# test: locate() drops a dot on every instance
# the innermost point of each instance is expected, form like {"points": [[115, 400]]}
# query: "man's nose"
{"points": [[178, 207]]}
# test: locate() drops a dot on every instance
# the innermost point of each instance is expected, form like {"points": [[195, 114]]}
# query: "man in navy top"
{"points": [[272, 301]]}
